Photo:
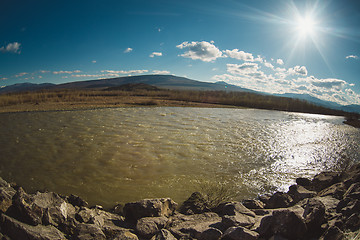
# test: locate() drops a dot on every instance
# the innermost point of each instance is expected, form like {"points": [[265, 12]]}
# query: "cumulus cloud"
{"points": [[93, 61], [280, 61], [352, 56], [66, 72], [269, 65], [157, 54], [328, 83], [21, 74], [11, 48], [125, 72], [4, 78], [297, 70], [204, 51], [128, 50], [161, 72], [241, 69], [240, 55]]}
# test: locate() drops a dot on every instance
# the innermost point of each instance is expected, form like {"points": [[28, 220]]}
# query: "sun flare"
{"points": [[305, 26]]}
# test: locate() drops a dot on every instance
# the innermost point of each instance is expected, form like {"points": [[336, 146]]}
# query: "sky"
{"points": [[273, 46]]}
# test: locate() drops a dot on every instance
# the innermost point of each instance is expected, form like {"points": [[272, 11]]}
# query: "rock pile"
{"points": [[322, 208]]}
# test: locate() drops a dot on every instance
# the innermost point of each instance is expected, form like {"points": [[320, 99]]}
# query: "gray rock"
{"points": [[283, 222], [305, 182], [149, 208], [18, 230], [299, 193], [324, 180], [314, 215], [6, 195], [195, 204], [232, 208], [355, 187], [336, 190], [126, 235], [76, 201], [210, 234], [149, 226], [239, 233], [86, 231], [348, 206], [238, 220], [163, 235], [279, 200], [253, 204], [333, 233], [193, 225]]}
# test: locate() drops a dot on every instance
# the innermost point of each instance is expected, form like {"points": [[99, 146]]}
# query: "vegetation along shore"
{"points": [[326, 207]]}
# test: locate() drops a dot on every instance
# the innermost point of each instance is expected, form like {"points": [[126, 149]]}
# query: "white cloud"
{"points": [[297, 70], [352, 56], [128, 50], [4, 78], [241, 55], [125, 72], [280, 61], [44, 71], [21, 74], [204, 51], [93, 61], [157, 54], [242, 69], [66, 72], [11, 47], [269, 65], [161, 72]]}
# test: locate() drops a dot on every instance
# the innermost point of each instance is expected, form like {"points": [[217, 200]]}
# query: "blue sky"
{"points": [[306, 47]]}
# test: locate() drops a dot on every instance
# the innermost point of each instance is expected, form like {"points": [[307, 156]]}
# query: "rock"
{"points": [[239, 233], [330, 204], [324, 180], [118, 209], [333, 233], [355, 187], [86, 231], [253, 204], [18, 230], [348, 206], [210, 234], [193, 225], [279, 200], [195, 204], [265, 198], [299, 193], [76, 201], [353, 222], [277, 237], [126, 236], [149, 208], [6, 195], [163, 235], [285, 223], [232, 208], [336, 190], [149, 226], [304, 182], [314, 215], [238, 219]]}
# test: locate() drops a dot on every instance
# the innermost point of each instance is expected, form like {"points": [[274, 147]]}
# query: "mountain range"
{"points": [[167, 82]]}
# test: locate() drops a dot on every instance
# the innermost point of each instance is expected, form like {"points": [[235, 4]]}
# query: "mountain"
{"points": [[23, 87]]}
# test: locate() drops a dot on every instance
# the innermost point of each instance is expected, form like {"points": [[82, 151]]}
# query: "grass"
{"points": [[217, 193]]}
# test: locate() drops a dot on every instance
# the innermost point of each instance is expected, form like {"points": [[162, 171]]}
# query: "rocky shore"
{"points": [[326, 207]]}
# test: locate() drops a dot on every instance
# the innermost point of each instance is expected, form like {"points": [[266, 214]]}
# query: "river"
{"points": [[118, 155]]}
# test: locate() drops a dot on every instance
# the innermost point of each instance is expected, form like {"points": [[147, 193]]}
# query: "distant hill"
{"points": [[165, 82], [133, 87]]}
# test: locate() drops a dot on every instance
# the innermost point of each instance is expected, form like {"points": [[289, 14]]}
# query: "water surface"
{"points": [[126, 154]]}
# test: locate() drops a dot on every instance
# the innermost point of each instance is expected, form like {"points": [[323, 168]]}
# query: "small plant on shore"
{"points": [[216, 193]]}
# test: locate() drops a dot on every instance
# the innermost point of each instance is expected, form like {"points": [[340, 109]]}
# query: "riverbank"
{"points": [[326, 207]]}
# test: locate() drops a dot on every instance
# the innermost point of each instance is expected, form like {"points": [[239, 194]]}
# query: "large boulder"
{"points": [[314, 215], [193, 225], [18, 230], [333, 233], [233, 208], [324, 180], [6, 195], [149, 226], [163, 235], [279, 200], [86, 231], [238, 219], [283, 222], [336, 190], [239, 233], [149, 208], [195, 204], [253, 204], [299, 193]]}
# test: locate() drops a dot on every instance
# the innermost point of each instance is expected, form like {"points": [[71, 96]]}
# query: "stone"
{"points": [[299, 193], [149, 226], [126, 236], [253, 204], [314, 215], [210, 234], [348, 206], [355, 187], [353, 222], [193, 225], [238, 219], [86, 231], [336, 190], [305, 182], [324, 180], [6, 195], [18, 230], [330, 204], [76, 201], [264, 198], [149, 208], [283, 222], [239, 233], [333, 233], [163, 235], [232, 208], [195, 204], [279, 200]]}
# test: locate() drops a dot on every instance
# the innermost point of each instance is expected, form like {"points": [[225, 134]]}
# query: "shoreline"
{"points": [[326, 207]]}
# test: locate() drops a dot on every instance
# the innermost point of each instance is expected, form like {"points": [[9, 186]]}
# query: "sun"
{"points": [[305, 26]]}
